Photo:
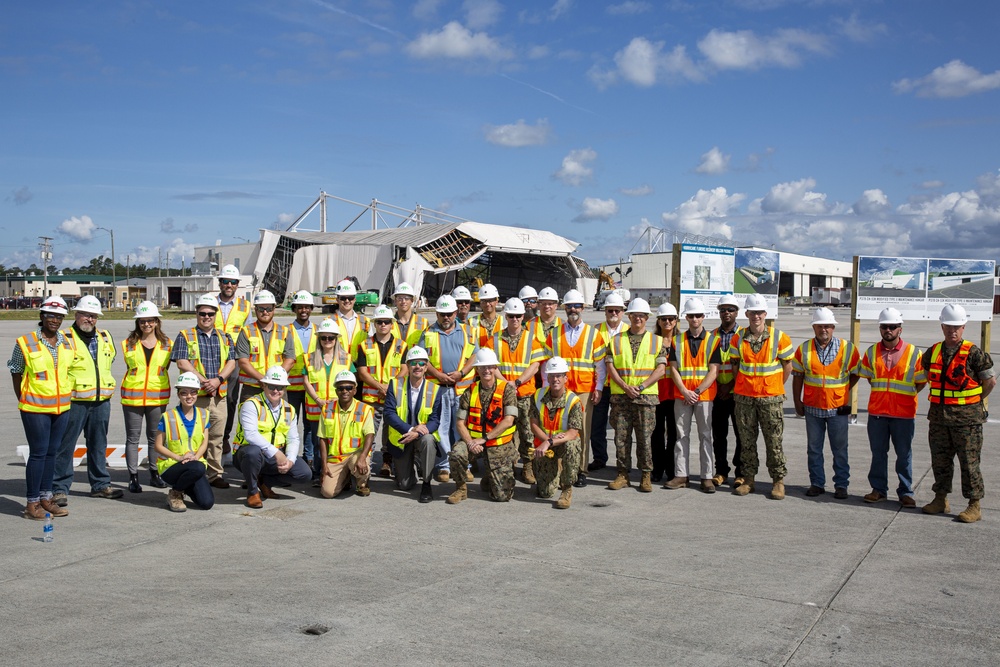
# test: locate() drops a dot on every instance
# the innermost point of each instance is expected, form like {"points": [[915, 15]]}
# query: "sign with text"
{"points": [[920, 287]]}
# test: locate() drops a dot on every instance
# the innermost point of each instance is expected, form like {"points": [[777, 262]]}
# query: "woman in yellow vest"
{"points": [[320, 369], [39, 366], [346, 434], [181, 443], [145, 389], [379, 359]]}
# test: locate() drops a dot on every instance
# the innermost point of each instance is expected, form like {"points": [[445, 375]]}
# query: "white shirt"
{"points": [[248, 418]]}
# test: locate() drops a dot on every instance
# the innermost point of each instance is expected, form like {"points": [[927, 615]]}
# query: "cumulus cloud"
{"points": [[576, 168], [175, 251], [641, 191], [167, 226], [713, 162], [756, 160], [744, 49], [629, 8], [642, 62], [456, 41], [793, 197], [705, 213], [518, 134], [78, 228], [968, 222], [593, 208], [481, 13], [20, 196], [953, 79], [283, 220], [872, 202]]}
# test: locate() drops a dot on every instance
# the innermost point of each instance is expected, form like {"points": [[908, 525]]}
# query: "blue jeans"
{"points": [[446, 431], [816, 430], [90, 418], [309, 428], [880, 431], [599, 429], [44, 433]]}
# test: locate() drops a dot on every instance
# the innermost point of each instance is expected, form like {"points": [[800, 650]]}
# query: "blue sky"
{"points": [[835, 128]]}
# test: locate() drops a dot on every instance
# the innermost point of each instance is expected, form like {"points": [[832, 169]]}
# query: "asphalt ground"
{"points": [[621, 577]]}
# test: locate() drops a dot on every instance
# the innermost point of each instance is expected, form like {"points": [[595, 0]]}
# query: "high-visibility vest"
{"points": [[486, 332], [238, 316], [514, 362], [555, 421], [45, 383], [83, 374], [176, 438], [361, 326], [953, 385], [760, 374], [296, 374], [825, 387], [263, 356], [635, 371], [479, 424], [346, 435], [581, 358], [194, 355], [606, 334], [694, 369], [269, 428], [539, 331], [146, 384], [381, 371], [894, 392], [432, 343], [410, 334], [400, 388], [323, 379], [726, 374]]}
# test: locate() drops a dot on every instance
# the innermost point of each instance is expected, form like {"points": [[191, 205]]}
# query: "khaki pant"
{"points": [[341, 472], [217, 411], [587, 403]]}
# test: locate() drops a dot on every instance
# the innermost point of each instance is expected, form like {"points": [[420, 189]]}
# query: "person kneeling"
{"points": [[346, 433], [181, 442], [267, 440], [556, 421]]}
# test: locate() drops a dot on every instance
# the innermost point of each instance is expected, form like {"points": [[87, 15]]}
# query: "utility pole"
{"points": [[114, 275], [46, 258]]}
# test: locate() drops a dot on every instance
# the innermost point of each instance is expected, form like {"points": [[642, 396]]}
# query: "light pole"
{"points": [[114, 277]]}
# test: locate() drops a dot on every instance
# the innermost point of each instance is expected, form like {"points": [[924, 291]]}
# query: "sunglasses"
{"points": [[206, 313], [514, 316], [383, 323], [327, 338], [728, 310], [464, 303], [888, 327], [667, 318], [345, 388], [419, 364], [146, 323], [265, 309], [614, 311], [574, 306], [229, 282], [531, 301], [52, 316], [695, 316], [187, 392], [273, 387], [345, 298]]}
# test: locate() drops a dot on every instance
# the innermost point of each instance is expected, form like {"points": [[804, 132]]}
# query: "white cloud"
{"points": [[559, 8], [518, 134], [965, 221], [872, 202], [576, 167], [641, 191], [713, 162], [932, 185], [705, 213], [176, 250], [745, 50], [80, 229], [593, 208], [456, 41], [793, 197], [538, 52], [642, 62], [858, 31], [629, 8], [953, 79], [755, 160], [481, 13]]}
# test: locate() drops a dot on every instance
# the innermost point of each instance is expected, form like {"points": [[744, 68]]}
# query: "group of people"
{"points": [[514, 390]]}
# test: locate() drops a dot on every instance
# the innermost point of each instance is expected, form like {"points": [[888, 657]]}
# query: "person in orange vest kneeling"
{"points": [[557, 422], [346, 434], [181, 443]]}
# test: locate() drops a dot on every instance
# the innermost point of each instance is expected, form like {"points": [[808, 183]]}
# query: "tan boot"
{"points": [[564, 498], [619, 482], [738, 481], [743, 489], [52, 508], [34, 511], [677, 483], [971, 513], [175, 501], [529, 472], [458, 495], [646, 485], [778, 489], [938, 505]]}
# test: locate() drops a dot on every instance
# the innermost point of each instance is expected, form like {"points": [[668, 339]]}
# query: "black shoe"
{"points": [[595, 465], [219, 483], [814, 491], [156, 481], [133, 484], [581, 480], [657, 476], [426, 495]]}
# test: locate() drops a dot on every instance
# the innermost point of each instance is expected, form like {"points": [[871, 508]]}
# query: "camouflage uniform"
{"points": [[524, 439], [546, 469], [638, 415], [499, 460], [766, 413], [958, 430]]}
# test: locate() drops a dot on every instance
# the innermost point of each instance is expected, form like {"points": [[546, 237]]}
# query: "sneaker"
{"points": [[107, 492]]}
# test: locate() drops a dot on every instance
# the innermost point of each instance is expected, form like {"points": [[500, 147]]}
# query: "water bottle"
{"points": [[47, 528]]}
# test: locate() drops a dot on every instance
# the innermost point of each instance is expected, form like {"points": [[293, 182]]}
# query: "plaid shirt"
{"points": [[208, 344]]}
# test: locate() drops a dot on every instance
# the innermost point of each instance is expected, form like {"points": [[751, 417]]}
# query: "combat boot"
{"points": [[938, 505], [778, 489], [677, 483], [646, 485], [564, 498], [458, 495], [971, 513], [529, 472], [743, 489], [619, 482]]}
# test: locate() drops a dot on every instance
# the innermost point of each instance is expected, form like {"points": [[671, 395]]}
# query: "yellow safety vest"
{"points": [[346, 435], [726, 374], [360, 332], [400, 388], [296, 374], [411, 334], [433, 347], [238, 316], [602, 329], [146, 384], [45, 383], [194, 355], [263, 356], [176, 438], [322, 379], [635, 371], [83, 372], [382, 372], [267, 426]]}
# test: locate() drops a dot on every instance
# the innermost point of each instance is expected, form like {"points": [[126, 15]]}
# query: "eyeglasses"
{"points": [[265, 309], [383, 323], [756, 313], [488, 300], [418, 364], [187, 392], [87, 316], [531, 301], [514, 316], [345, 388], [614, 311], [729, 310], [146, 323], [888, 327], [229, 282], [464, 303], [327, 339], [206, 313], [667, 318], [574, 306], [52, 316], [695, 316], [273, 387], [345, 298], [642, 316]]}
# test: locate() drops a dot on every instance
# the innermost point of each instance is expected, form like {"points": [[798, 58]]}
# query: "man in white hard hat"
{"points": [[529, 297], [300, 343], [960, 376], [354, 326], [612, 325], [694, 363], [378, 360], [90, 412], [346, 435], [636, 360], [761, 356], [488, 323], [463, 300], [824, 370], [582, 348], [207, 351], [557, 422], [896, 374], [230, 318], [407, 325], [260, 345], [485, 423], [724, 406], [547, 319]]}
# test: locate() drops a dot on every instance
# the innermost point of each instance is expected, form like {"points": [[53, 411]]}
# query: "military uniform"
{"points": [[498, 479], [547, 468], [638, 415]]}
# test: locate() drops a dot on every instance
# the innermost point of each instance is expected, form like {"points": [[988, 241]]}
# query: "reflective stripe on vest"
{"points": [[582, 358], [760, 374], [893, 392], [346, 437], [361, 332], [825, 387], [176, 438], [45, 383], [555, 422], [263, 356], [514, 362], [145, 384], [381, 372], [487, 332], [635, 371], [694, 369], [267, 426], [194, 356], [953, 385], [85, 371], [400, 387], [479, 425], [414, 328], [296, 374], [323, 379], [432, 344], [726, 374], [238, 316]]}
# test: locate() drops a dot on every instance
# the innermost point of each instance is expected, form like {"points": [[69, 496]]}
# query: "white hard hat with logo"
{"points": [[890, 316], [404, 289], [488, 291], [461, 293], [514, 306], [953, 315], [328, 326], [382, 313], [264, 298], [89, 304], [556, 365], [229, 272], [548, 294], [346, 288], [486, 357], [666, 310], [573, 296], [756, 302], [527, 292], [54, 304], [416, 353], [638, 305], [446, 304], [302, 298], [276, 375], [146, 309], [187, 381], [614, 300], [208, 300], [345, 376], [694, 306], [823, 316]]}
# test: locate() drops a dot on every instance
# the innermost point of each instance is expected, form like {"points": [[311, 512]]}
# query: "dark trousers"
{"points": [[232, 400], [251, 460], [599, 428], [722, 415], [664, 439], [310, 443], [420, 454], [190, 478]]}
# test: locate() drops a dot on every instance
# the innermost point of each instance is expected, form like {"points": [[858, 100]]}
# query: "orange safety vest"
{"points": [[693, 369], [486, 333], [894, 392], [825, 387], [513, 363], [45, 383], [480, 424], [557, 421], [381, 371], [145, 385], [582, 358], [953, 385], [263, 356], [760, 374]]}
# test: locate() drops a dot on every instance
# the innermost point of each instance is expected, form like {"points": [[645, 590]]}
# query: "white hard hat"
{"points": [[229, 272], [346, 288], [276, 375], [953, 315], [461, 293], [488, 291], [264, 298], [823, 316], [556, 365], [328, 326], [614, 300], [514, 306], [890, 316], [345, 376], [382, 313], [755, 302], [207, 300], [404, 289], [527, 292], [446, 304], [548, 294], [54, 304], [573, 296], [694, 306], [146, 309], [728, 300], [486, 357], [302, 298], [638, 305], [187, 381], [666, 310], [90, 304], [416, 352]]}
